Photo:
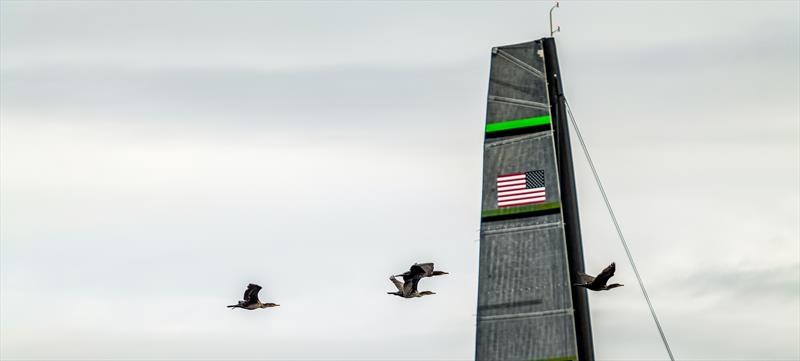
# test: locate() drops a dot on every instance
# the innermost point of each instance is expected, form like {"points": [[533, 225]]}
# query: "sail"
{"points": [[525, 298]]}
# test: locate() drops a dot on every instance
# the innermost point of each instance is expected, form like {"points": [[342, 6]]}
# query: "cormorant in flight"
{"points": [[424, 269], [251, 301], [408, 288], [598, 283]]}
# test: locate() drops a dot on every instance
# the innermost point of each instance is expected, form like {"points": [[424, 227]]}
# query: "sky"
{"points": [[155, 157]]}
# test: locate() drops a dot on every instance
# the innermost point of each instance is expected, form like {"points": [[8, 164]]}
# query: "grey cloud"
{"points": [[332, 98], [742, 283]]}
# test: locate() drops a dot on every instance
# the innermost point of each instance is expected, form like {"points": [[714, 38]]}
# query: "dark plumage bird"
{"points": [[422, 269], [408, 288], [599, 283], [251, 301]]}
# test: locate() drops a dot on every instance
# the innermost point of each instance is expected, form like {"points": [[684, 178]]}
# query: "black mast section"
{"points": [[569, 198]]}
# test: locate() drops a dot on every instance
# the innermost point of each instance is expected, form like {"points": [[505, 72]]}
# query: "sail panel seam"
{"points": [[511, 316], [524, 103], [520, 63], [523, 228]]}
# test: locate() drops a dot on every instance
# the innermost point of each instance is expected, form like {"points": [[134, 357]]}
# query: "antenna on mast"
{"points": [[557, 29]]}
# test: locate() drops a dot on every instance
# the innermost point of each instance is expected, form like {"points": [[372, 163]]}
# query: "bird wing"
{"points": [[251, 294], [427, 268], [584, 278], [603, 277], [418, 270], [410, 284]]}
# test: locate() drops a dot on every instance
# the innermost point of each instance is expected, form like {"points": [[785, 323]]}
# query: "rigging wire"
{"points": [[619, 231]]}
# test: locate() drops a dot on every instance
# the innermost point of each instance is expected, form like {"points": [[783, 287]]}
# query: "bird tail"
{"points": [[233, 306]]}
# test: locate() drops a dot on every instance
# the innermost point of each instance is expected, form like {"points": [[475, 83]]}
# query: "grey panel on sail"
{"points": [[516, 81], [506, 109], [524, 267], [546, 337], [529, 152], [524, 290]]}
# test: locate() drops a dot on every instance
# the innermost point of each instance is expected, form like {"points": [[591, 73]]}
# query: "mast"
{"points": [[569, 198]]}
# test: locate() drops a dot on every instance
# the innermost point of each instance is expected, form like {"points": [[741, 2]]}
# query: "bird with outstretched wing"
{"points": [[250, 299], [598, 283]]}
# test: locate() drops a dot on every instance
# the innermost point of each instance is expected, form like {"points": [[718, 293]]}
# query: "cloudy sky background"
{"points": [[157, 156]]}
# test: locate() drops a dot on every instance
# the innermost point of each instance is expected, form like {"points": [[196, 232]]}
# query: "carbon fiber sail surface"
{"points": [[525, 297]]}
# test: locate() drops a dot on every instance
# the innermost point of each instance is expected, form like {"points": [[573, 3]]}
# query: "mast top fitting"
{"points": [[557, 29]]}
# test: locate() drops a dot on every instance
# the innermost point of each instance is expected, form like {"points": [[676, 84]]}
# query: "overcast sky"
{"points": [[155, 157]]}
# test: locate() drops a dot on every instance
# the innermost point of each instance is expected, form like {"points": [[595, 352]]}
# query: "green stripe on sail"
{"points": [[516, 124], [523, 209]]}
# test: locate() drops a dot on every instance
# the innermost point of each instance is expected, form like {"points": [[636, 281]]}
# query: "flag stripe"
{"points": [[511, 182], [510, 176], [520, 186], [521, 196], [520, 191], [520, 202]]}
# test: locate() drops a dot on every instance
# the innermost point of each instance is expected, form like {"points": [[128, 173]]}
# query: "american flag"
{"points": [[517, 189]]}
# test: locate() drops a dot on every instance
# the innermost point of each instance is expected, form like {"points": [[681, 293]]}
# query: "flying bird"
{"points": [[417, 271], [251, 301], [599, 283], [423, 269], [408, 288]]}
